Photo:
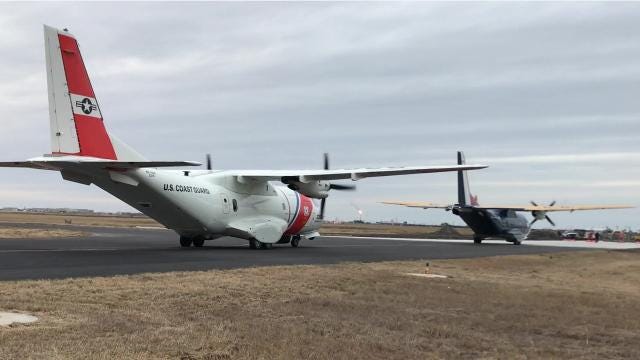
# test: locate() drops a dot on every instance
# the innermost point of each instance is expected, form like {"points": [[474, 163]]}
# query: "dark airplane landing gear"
{"points": [[517, 242], [185, 241], [295, 241], [477, 239], [198, 241]]}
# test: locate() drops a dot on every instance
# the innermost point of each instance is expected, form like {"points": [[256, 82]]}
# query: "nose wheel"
{"points": [[295, 241]]}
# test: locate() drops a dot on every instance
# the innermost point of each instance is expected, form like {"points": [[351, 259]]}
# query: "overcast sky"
{"points": [[547, 94]]}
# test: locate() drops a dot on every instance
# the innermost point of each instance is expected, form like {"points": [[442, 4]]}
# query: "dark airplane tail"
{"points": [[464, 194]]}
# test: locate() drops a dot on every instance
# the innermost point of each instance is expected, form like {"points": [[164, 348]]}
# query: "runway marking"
{"points": [[557, 243], [151, 228], [430, 276]]}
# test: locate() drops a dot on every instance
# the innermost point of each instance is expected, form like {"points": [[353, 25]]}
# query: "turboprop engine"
{"points": [[318, 189], [541, 215], [315, 189]]}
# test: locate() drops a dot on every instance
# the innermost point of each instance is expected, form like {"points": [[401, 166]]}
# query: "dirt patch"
{"points": [[569, 305], [28, 233]]}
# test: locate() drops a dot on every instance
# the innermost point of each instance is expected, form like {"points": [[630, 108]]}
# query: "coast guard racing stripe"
{"points": [[303, 212]]}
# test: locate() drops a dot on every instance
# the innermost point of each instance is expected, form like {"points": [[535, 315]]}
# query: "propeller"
{"points": [[332, 186], [208, 161], [539, 215]]}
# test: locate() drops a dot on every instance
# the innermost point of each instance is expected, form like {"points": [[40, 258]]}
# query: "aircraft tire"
{"points": [[198, 241], [477, 240], [257, 244], [185, 241], [517, 242], [295, 241]]}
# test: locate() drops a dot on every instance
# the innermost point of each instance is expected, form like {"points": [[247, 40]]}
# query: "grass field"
{"points": [[344, 229], [569, 305], [82, 220]]}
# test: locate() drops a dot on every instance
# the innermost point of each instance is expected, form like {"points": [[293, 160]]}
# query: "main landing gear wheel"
{"points": [[295, 241], [185, 241], [477, 240], [198, 241], [257, 244], [517, 242]]}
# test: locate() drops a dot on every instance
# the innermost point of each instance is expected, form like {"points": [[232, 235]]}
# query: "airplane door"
{"points": [[224, 199]]}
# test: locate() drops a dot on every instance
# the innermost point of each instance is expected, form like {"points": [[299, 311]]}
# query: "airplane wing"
{"points": [[418, 204], [570, 208], [428, 205], [341, 174]]}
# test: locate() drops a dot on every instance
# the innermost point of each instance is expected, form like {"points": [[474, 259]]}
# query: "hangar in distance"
{"points": [[496, 220], [261, 206]]}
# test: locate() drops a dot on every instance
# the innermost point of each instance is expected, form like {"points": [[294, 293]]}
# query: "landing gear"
{"points": [[186, 241], [477, 239], [257, 244], [198, 241], [517, 242], [295, 241]]}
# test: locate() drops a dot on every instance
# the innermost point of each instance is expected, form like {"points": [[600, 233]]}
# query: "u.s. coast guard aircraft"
{"points": [[262, 206]]}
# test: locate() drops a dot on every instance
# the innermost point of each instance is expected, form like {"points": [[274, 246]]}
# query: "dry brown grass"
{"points": [[81, 220], [571, 305], [28, 233]]}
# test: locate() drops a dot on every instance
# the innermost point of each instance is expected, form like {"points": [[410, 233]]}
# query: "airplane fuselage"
{"points": [[485, 223], [211, 204]]}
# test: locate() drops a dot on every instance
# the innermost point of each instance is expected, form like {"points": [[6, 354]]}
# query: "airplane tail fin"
{"points": [[77, 126], [464, 194]]}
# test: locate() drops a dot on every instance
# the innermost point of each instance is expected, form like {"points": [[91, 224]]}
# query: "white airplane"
{"points": [[262, 206]]}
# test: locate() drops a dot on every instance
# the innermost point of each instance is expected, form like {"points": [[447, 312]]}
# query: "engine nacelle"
{"points": [[539, 215], [315, 189]]}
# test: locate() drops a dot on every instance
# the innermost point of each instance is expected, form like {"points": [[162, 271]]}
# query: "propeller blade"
{"points": [[533, 221], [549, 220], [533, 203], [322, 203], [326, 161], [208, 161], [342, 187], [552, 203]]}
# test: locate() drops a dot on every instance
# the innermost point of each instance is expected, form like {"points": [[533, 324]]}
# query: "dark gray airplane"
{"points": [[496, 221]]}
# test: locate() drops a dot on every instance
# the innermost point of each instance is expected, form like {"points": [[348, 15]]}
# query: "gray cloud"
{"points": [[546, 93]]}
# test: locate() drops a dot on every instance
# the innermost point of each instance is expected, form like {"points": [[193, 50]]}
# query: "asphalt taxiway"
{"points": [[114, 251]]}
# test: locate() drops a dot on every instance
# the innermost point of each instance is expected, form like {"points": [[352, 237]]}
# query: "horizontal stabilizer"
{"points": [[58, 163]]}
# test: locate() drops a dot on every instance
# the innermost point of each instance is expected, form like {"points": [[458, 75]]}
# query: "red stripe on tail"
{"points": [[92, 135]]}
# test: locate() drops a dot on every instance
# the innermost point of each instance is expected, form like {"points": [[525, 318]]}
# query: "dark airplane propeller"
{"points": [[332, 186], [538, 215], [208, 161]]}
